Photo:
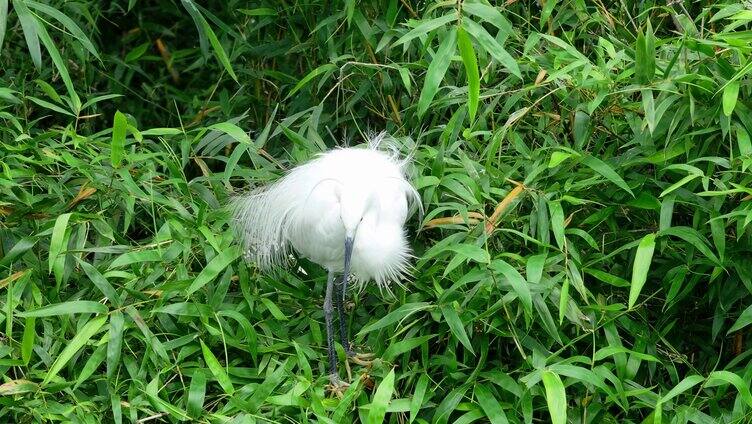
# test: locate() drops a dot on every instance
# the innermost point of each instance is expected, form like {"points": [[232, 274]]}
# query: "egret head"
{"points": [[356, 205]]}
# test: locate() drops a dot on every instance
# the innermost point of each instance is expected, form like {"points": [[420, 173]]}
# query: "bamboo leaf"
{"points": [[66, 308], [205, 29], [492, 46], [606, 171], [436, 70], [381, 399], [456, 326], [519, 285], [213, 268], [217, 370], [641, 266], [467, 52], [556, 397], [730, 94], [75, 344], [117, 145], [30, 28]]}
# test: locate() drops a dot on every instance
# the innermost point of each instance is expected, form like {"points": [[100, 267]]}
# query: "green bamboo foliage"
{"points": [[584, 167]]}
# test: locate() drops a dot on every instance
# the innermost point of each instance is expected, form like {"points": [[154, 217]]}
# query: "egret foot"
{"points": [[336, 386], [362, 359]]}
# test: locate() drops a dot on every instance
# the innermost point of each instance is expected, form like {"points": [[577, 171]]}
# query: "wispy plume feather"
{"points": [[271, 220]]}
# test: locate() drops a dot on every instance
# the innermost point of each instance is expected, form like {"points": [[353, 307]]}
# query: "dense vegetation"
{"points": [[585, 255]]}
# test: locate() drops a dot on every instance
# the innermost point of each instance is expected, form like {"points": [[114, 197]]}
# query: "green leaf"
{"points": [[66, 308], [58, 244], [27, 342], [91, 365], [233, 131], [403, 346], [744, 320], [196, 394], [519, 285], [325, 68], [548, 7], [648, 106], [489, 14], [349, 10], [115, 342], [100, 282], [471, 251], [137, 257], [262, 391], [641, 266], [117, 145], [679, 184], [730, 94], [436, 70], [213, 268], [47, 105], [645, 55], [742, 139], [456, 326], [217, 370], [556, 397], [76, 343], [67, 22], [30, 27], [682, 387], [425, 27], [607, 278], [563, 300], [399, 314], [717, 378], [59, 64], [204, 28], [693, 237], [273, 309], [3, 20], [261, 11], [558, 157], [490, 405], [557, 223], [607, 351], [471, 70], [606, 171], [381, 399], [417, 400], [534, 268], [491, 46]]}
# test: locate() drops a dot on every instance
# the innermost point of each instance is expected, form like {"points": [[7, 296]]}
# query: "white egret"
{"points": [[344, 210]]}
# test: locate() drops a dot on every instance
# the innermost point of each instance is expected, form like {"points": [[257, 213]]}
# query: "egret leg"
{"points": [[364, 359], [337, 385], [329, 326], [340, 289]]}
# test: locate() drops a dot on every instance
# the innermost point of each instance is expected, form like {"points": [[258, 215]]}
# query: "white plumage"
{"points": [[361, 193], [344, 210]]}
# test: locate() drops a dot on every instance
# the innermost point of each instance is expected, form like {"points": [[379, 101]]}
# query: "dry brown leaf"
{"points": [[502, 206], [83, 194]]}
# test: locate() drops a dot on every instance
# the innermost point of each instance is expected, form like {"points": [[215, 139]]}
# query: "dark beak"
{"points": [[348, 254]]}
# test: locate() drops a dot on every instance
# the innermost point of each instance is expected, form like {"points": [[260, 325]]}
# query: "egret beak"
{"points": [[349, 241]]}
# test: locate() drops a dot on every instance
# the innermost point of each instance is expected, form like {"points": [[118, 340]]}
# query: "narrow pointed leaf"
{"points": [[641, 266], [381, 399], [74, 345], [436, 70], [471, 70], [556, 397]]}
